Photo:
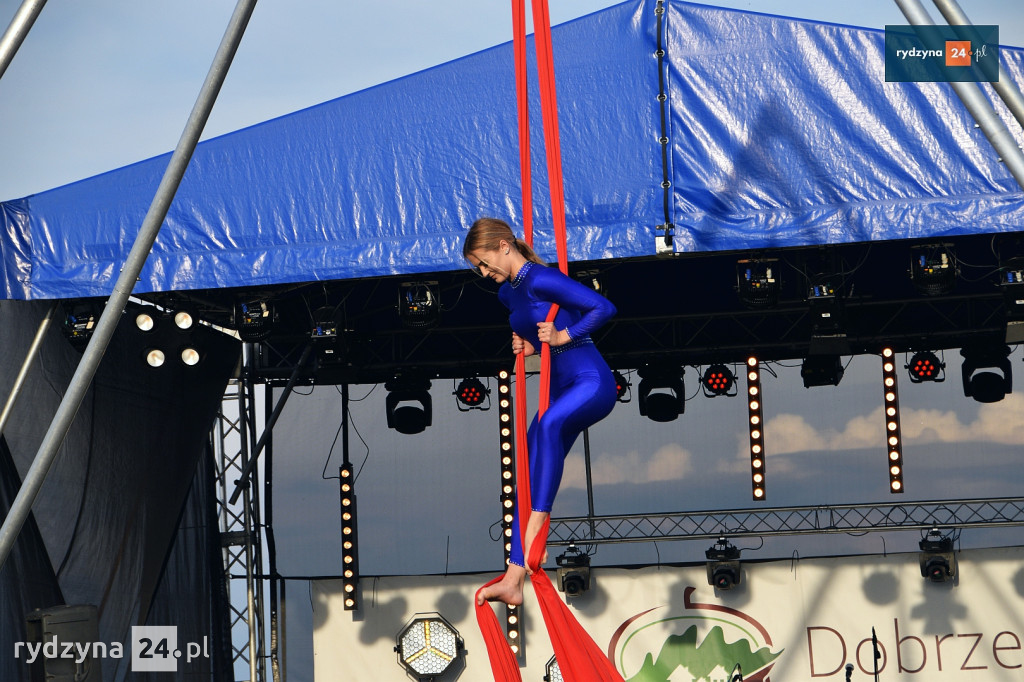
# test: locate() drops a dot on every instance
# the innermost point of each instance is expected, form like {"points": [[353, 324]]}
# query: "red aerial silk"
{"points": [[579, 658]]}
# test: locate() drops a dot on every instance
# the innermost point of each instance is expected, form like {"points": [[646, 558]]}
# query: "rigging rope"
{"points": [[579, 658]]}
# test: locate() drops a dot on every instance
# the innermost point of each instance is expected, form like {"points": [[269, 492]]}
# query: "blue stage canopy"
{"points": [[781, 133]]}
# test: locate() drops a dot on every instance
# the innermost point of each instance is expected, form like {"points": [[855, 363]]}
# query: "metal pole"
{"points": [[977, 105], [268, 428], [23, 372], [15, 34], [1004, 87], [126, 281]]}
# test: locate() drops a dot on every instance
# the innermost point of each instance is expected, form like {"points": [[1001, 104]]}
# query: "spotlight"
{"points": [[621, 387], [419, 304], [718, 380], [891, 409], [428, 646], [723, 565], [661, 393], [254, 320], [926, 366], [573, 572], [184, 319], [145, 322], [471, 392], [190, 356], [933, 269], [552, 672], [79, 324], [758, 282], [980, 381], [938, 562], [755, 426], [822, 370], [349, 543], [408, 404], [155, 357]]}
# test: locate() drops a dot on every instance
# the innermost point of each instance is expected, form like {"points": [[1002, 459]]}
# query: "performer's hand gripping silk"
{"points": [[582, 385]]}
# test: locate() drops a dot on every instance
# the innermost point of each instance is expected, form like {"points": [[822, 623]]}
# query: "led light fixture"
{"points": [[986, 372], [718, 380], [755, 429], [621, 387], [408, 404], [552, 671], [925, 366], [471, 394], [937, 559], [891, 412], [349, 542], [573, 572], [508, 497], [429, 646]]}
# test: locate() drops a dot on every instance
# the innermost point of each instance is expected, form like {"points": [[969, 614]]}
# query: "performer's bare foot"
{"points": [[508, 590]]}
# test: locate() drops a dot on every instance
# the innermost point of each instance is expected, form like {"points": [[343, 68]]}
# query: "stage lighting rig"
{"points": [[428, 646], [472, 394], [893, 435], [822, 370], [661, 396], [408, 404], [621, 387], [723, 566], [718, 380], [254, 320], [552, 671], [573, 572], [755, 429], [758, 282], [937, 559], [419, 304], [80, 322], [933, 269], [924, 366], [981, 379]]}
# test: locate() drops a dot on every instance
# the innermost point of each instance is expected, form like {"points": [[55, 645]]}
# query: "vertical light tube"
{"points": [[508, 495], [893, 438], [349, 544], [755, 426]]}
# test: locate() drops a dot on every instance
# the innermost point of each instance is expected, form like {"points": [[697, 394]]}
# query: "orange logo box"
{"points": [[958, 53]]}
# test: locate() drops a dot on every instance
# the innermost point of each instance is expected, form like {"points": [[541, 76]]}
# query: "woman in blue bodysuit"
{"points": [[582, 385]]}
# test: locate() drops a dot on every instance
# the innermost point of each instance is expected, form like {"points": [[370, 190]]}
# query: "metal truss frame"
{"points": [[947, 514], [240, 527]]}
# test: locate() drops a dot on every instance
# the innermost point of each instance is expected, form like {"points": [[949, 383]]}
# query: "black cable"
{"points": [[666, 183]]}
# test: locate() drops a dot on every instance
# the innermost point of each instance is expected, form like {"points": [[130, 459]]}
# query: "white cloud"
{"points": [[670, 462]]}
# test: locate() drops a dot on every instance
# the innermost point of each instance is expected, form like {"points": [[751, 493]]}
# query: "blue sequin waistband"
{"points": [[575, 343]]}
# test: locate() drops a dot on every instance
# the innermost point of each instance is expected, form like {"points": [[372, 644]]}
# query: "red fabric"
{"points": [[579, 658]]}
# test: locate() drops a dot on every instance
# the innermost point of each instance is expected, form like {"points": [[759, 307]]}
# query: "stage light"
{"points": [[925, 366], [828, 332], [408, 404], [254, 320], [758, 282], [190, 356], [80, 322], [891, 414], [507, 498], [184, 319], [723, 566], [621, 387], [755, 428], [981, 379], [145, 322], [933, 269], [937, 560], [472, 393], [155, 357], [718, 380], [573, 572], [1011, 283], [349, 538], [822, 370], [428, 646], [552, 671], [419, 303], [661, 396]]}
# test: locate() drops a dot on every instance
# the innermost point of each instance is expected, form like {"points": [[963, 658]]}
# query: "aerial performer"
{"points": [[582, 385]]}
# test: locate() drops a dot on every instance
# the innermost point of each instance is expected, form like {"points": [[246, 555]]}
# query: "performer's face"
{"points": [[490, 263]]}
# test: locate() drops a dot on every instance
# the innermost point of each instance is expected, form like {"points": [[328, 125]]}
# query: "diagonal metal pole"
{"points": [[1004, 87], [976, 103], [15, 34], [30, 357], [126, 281]]}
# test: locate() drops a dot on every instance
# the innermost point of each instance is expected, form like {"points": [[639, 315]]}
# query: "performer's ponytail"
{"points": [[487, 233], [527, 252]]}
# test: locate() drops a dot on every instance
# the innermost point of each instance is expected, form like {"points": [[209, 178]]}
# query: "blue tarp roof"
{"points": [[781, 133]]}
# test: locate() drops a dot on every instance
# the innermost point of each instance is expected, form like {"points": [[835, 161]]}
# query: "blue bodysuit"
{"points": [[582, 385]]}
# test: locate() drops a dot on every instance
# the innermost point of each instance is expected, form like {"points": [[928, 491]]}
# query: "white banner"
{"points": [[786, 620]]}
